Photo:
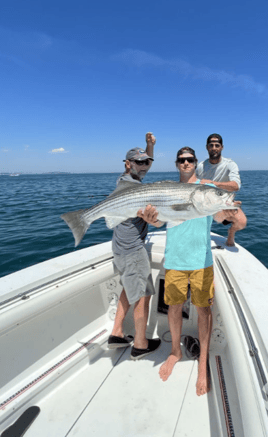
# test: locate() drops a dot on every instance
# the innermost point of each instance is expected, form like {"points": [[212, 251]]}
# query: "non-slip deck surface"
{"points": [[115, 396]]}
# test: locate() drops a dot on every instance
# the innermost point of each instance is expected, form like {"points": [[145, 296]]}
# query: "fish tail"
{"points": [[77, 224]]}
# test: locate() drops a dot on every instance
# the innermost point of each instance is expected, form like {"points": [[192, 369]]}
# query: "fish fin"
{"points": [[76, 223], [112, 222], [181, 206], [172, 224], [123, 185]]}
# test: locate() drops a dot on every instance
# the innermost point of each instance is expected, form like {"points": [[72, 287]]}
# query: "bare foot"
{"points": [[166, 368], [203, 383]]}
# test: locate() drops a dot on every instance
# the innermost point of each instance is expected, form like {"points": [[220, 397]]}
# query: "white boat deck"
{"points": [[56, 318], [116, 396]]}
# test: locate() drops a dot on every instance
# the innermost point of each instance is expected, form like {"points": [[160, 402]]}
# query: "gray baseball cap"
{"points": [[137, 154]]}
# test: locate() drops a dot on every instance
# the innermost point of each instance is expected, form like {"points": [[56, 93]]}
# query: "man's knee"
{"points": [[175, 308], [203, 311], [147, 298], [242, 220], [239, 221], [144, 300]]}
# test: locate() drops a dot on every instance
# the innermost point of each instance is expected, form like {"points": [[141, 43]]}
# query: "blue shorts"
{"points": [[135, 274]]}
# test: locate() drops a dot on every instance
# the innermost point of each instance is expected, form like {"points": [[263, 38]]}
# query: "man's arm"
{"points": [[229, 186], [150, 141], [149, 215], [234, 182]]}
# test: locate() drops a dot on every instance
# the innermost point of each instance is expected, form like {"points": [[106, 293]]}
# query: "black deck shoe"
{"points": [[116, 342], [153, 344]]}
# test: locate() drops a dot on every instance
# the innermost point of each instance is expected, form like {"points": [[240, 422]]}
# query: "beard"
{"points": [[214, 154], [138, 174]]}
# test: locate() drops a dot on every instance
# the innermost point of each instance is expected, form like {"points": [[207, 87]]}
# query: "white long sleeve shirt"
{"points": [[226, 170]]}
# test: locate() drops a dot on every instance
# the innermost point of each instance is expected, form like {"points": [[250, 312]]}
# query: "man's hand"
{"points": [[232, 212], [150, 139], [149, 215], [227, 214], [238, 203]]}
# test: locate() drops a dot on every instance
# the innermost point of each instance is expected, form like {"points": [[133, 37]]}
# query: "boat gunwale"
{"points": [[253, 352], [28, 293]]}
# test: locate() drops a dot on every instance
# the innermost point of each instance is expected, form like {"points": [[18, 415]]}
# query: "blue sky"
{"points": [[81, 82]]}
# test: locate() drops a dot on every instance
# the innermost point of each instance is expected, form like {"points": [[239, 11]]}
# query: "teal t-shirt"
{"points": [[188, 245]]}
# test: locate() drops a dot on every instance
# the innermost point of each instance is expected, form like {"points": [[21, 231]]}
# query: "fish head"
{"points": [[209, 200]]}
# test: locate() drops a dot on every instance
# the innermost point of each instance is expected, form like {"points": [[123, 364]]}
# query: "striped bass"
{"points": [[174, 201]]}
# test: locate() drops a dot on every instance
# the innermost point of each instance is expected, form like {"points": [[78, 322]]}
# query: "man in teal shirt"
{"points": [[188, 257]]}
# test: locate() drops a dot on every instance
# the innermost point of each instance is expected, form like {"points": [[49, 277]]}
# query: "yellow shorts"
{"points": [[201, 283]]}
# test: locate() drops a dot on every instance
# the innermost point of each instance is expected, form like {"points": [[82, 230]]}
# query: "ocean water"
{"points": [[31, 230]]}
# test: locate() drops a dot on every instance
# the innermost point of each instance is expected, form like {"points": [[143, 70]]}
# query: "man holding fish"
{"points": [[224, 173], [132, 262], [188, 251], [188, 257]]}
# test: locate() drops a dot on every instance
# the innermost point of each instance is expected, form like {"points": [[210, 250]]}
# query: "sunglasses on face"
{"points": [[218, 145], [144, 162], [188, 159]]}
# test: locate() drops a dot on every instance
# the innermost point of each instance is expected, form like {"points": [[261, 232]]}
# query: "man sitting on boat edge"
{"points": [[188, 257], [132, 262]]}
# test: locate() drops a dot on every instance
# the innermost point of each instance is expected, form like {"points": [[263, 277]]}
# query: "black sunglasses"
{"points": [[218, 145], [144, 162], [188, 159]]}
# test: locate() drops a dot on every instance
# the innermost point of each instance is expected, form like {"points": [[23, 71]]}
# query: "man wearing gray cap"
{"points": [[132, 262]]}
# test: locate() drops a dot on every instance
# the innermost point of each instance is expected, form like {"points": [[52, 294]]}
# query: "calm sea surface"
{"points": [[31, 230]]}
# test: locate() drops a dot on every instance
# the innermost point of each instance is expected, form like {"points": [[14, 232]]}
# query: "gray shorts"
{"points": [[135, 274]]}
